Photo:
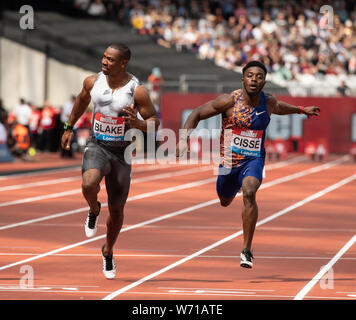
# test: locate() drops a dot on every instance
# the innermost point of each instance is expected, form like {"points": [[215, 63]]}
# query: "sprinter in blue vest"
{"points": [[245, 116]]}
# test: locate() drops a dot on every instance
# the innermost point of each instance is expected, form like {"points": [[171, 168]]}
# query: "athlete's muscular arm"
{"points": [[145, 108], [80, 105], [212, 108], [282, 108]]}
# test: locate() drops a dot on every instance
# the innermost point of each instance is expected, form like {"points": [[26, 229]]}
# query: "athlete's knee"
{"points": [[91, 181], [116, 213], [249, 195], [89, 186]]}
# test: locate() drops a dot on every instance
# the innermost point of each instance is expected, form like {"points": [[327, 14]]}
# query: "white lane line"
{"points": [[285, 163], [153, 177], [39, 183], [141, 179], [270, 296], [133, 198], [172, 256], [302, 293], [39, 173], [167, 216], [215, 289], [79, 190], [136, 166], [226, 239], [79, 177]]}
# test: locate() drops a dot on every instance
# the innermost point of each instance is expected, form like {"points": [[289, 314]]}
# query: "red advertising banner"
{"points": [[335, 127]]}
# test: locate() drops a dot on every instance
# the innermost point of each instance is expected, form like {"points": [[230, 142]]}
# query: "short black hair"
{"points": [[125, 51], [254, 63]]}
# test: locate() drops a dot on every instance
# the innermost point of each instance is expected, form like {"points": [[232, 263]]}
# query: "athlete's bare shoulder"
{"points": [[89, 82], [271, 102], [224, 101]]}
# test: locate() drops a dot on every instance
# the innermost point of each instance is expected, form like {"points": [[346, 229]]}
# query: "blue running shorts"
{"points": [[229, 181]]}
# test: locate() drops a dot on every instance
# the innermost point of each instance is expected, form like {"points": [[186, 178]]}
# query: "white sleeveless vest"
{"points": [[107, 123]]}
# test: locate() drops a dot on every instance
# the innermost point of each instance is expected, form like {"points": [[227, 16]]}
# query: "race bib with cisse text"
{"points": [[247, 142]]}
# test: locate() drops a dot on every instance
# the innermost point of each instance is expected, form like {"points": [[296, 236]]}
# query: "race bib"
{"points": [[107, 128], [247, 142]]}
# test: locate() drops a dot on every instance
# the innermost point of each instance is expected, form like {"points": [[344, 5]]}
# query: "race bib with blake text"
{"points": [[107, 128]]}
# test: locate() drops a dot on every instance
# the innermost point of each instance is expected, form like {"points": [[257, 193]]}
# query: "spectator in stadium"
{"points": [[155, 79], [343, 89], [3, 133], [22, 113], [18, 139], [48, 127], [34, 126], [3, 113], [280, 33], [97, 9]]}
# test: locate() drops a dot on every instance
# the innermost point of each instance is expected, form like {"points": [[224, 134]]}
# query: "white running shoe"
{"points": [[109, 268], [91, 223], [246, 258]]}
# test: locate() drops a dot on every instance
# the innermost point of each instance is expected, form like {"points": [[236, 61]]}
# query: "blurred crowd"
{"points": [[291, 38], [28, 129]]}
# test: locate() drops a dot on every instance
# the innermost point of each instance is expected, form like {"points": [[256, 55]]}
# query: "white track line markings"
{"points": [[79, 190], [133, 198], [40, 173], [79, 177], [173, 256], [270, 296], [39, 183], [138, 170], [154, 177], [215, 289], [302, 293], [166, 216], [226, 239], [49, 171]]}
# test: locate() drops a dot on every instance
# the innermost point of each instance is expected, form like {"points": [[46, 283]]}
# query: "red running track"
{"points": [[177, 242]]}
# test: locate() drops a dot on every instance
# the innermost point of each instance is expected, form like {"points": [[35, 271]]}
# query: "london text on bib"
{"points": [[247, 142], [108, 128]]}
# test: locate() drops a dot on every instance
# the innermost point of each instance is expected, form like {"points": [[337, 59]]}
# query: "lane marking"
{"points": [[79, 177], [70, 212], [302, 293], [40, 173], [136, 165], [215, 289], [172, 256], [74, 191], [142, 179], [132, 198], [166, 216], [226, 239]]}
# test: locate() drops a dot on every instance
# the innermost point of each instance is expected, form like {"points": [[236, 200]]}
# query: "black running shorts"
{"points": [[113, 167]]}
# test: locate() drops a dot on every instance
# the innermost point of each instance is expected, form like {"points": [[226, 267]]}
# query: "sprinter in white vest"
{"points": [[117, 97]]}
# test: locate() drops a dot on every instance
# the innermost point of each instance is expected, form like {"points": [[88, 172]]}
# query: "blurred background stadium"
{"points": [[185, 53]]}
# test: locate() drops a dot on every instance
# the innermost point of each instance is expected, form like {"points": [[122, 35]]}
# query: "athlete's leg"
{"points": [[117, 187], [90, 188], [227, 185], [250, 186], [114, 224]]}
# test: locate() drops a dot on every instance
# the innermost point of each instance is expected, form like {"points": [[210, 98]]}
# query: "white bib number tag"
{"points": [[247, 142], [108, 128]]}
